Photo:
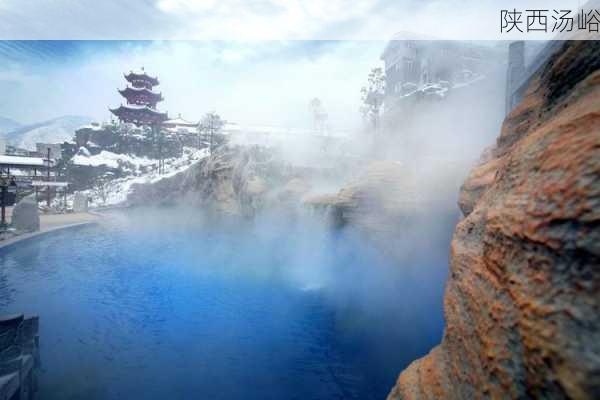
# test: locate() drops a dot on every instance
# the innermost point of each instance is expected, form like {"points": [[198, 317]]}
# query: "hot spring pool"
{"points": [[180, 309]]}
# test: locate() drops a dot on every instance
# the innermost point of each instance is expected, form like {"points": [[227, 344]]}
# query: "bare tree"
{"points": [[372, 97], [210, 128], [318, 113], [101, 186]]}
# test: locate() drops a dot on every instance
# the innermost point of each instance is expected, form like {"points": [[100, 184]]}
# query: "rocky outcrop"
{"points": [[522, 303], [25, 216], [235, 180], [379, 200]]}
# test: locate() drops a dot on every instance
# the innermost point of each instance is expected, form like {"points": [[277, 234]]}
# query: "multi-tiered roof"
{"points": [[141, 100]]}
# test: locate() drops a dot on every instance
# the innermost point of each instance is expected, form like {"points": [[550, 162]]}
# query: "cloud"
{"points": [[260, 19], [250, 82]]}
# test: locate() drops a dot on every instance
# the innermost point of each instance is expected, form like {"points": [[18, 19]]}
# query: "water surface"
{"points": [[149, 307]]}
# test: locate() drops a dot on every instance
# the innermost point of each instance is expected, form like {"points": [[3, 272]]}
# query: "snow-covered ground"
{"points": [[115, 191], [109, 159]]}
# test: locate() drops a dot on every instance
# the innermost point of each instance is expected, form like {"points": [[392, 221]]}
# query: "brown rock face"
{"points": [[522, 302], [379, 201], [234, 181]]}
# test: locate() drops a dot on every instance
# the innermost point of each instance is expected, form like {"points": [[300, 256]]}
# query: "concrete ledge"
{"points": [[51, 224]]}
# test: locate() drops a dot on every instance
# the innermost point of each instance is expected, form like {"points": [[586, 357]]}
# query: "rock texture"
{"points": [[379, 200], [522, 303], [237, 181], [26, 216]]}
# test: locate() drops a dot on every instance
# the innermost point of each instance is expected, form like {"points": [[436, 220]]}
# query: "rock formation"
{"points": [[235, 180], [25, 216], [377, 201], [522, 303]]}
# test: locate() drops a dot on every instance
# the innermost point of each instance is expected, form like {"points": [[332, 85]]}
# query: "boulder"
{"points": [[25, 216], [522, 303], [379, 201], [234, 180]]}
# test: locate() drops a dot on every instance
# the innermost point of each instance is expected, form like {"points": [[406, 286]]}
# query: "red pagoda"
{"points": [[141, 101]]}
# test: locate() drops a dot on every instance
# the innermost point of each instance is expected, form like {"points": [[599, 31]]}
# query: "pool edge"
{"points": [[31, 235]]}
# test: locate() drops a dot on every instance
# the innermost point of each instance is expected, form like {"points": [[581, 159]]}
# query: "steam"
{"points": [[272, 83]]}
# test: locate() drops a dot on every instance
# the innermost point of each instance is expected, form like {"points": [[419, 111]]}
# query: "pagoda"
{"points": [[141, 101]]}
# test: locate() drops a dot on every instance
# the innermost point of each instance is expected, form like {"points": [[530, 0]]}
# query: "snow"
{"points": [[109, 159], [92, 126], [142, 89], [117, 190], [441, 88], [26, 161], [140, 71], [84, 152], [179, 121], [45, 183], [183, 129]]}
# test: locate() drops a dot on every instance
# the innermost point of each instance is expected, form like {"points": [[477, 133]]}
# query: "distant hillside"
{"points": [[56, 130], [7, 125]]}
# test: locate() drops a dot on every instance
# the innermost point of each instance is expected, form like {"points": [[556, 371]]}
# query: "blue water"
{"points": [[180, 308]]}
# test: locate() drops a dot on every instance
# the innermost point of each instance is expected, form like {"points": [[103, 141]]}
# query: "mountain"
{"points": [[56, 130], [7, 125]]}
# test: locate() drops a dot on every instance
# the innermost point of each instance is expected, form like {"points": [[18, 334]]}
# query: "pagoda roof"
{"points": [[179, 121], [141, 76], [139, 114], [129, 90]]}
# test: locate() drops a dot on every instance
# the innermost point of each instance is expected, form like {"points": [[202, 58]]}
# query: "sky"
{"points": [[252, 61], [249, 82], [260, 19]]}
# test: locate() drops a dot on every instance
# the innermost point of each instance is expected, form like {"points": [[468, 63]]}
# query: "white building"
{"points": [[414, 62]]}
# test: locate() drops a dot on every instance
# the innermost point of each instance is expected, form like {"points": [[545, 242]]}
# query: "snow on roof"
{"points": [[25, 161], [141, 89], [131, 107], [187, 129], [179, 121], [43, 183], [133, 74], [140, 71]]}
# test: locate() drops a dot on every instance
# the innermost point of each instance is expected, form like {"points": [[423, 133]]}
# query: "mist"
{"points": [[375, 281], [381, 304]]}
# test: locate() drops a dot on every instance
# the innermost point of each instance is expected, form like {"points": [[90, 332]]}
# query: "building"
{"points": [[524, 59], [141, 110], [180, 125], [412, 63], [55, 150], [141, 101]]}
